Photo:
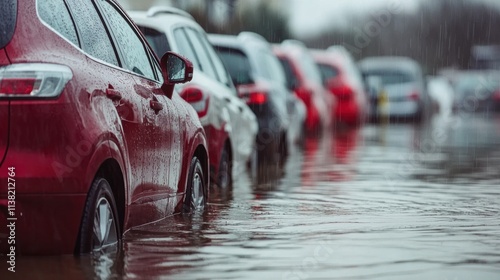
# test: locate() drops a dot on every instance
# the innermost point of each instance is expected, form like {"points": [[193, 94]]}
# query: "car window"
{"points": [[390, 77], [271, 67], [185, 48], [238, 65], [94, 38], [156, 39], [8, 15], [135, 56], [219, 66], [291, 79], [206, 64], [56, 14], [309, 68], [327, 72]]}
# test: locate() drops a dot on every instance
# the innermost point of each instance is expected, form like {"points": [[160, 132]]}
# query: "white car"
{"points": [[230, 125]]}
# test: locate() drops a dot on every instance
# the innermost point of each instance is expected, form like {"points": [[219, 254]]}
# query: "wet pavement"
{"points": [[394, 201]]}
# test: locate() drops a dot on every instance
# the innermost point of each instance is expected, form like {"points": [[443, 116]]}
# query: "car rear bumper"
{"points": [[47, 198], [397, 109], [347, 112], [43, 223]]}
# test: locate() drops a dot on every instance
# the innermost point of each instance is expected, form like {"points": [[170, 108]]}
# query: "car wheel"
{"points": [[100, 229], [224, 177], [283, 150], [195, 193]]}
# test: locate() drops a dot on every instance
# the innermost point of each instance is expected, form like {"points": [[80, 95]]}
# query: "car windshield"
{"points": [[291, 79], [269, 66], [311, 70], [237, 64], [327, 72]]}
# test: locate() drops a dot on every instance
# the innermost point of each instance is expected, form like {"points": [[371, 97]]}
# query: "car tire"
{"points": [[100, 227], [283, 150], [253, 164], [195, 198], [224, 176]]}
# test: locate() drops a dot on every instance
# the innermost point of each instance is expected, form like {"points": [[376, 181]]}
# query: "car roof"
{"points": [[230, 41], [162, 21], [158, 10], [292, 49], [245, 41], [389, 63], [330, 56]]}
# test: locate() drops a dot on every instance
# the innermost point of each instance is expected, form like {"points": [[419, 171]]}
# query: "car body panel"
{"points": [[4, 114]]}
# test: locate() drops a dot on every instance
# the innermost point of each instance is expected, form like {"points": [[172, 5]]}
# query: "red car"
{"points": [[93, 142], [304, 78], [345, 82]]}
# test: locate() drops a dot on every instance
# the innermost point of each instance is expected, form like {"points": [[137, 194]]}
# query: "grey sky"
{"points": [[309, 17]]}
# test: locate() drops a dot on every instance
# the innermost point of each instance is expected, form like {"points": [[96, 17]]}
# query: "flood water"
{"points": [[393, 201]]}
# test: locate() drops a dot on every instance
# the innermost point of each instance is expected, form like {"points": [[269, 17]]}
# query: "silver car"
{"points": [[403, 93]]}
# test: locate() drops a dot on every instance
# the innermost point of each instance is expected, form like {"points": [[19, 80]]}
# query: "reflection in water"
{"points": [[399, 201]]}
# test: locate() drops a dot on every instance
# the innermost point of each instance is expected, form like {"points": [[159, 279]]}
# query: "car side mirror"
{"points": [[175, 70]]}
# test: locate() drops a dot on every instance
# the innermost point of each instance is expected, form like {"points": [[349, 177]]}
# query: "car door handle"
{"points": [[113, 94], [228, 100], [241, 108], [155, 105]]}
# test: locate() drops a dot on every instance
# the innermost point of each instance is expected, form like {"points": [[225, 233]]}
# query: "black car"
{"points": [[260, 81]]}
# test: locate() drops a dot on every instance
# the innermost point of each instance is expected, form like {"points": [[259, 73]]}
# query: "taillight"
{"points": [[414, 96], [17, 85], [343, 92], [255, 98], [197, 99], [33, 80], [496, 95]]}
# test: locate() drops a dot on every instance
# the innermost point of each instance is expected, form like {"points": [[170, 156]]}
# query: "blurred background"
{"points": [[438, 34]]}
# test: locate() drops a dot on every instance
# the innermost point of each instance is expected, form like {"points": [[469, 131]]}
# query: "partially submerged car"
{"points": [[403, 94], [303, 77], [93, 142], [260, 81], [477, 91], [343, 79]]}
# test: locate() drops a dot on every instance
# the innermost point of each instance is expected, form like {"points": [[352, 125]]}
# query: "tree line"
{"points": [[439, 33]]}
